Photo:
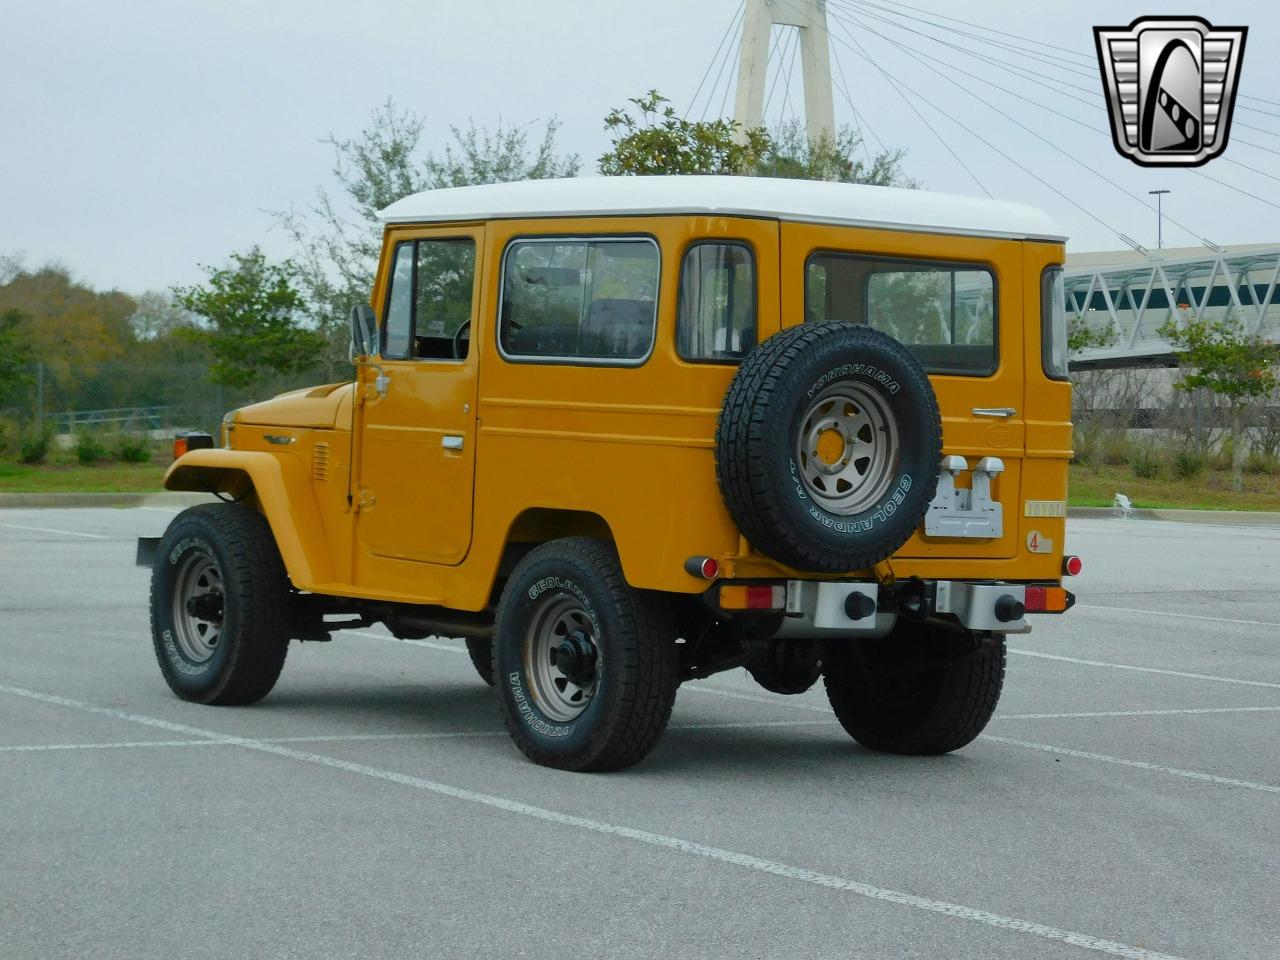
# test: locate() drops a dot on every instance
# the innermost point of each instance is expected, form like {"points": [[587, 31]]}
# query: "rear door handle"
{"points": [[451, 442], [1002, 412]]}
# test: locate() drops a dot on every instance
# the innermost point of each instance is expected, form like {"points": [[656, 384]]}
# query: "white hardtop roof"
{"points": [[805, 201]]}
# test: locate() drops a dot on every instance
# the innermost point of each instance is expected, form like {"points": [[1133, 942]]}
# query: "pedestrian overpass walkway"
{"points": [[1132, 295]]}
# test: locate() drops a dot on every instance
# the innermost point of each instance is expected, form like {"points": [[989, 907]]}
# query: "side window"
{"points": [[591, 300], [397, 322], [944, 314], [717, 313], [446, 280], [429, 300]]}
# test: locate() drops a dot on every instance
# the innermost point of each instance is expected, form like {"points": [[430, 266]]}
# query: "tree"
{"points": [[657, 141], [1239, 367], [338, 239], [15, 357], [478, 155], [791, 154], [157, 316], [252, 312], [72, 329], [1080, 336]]}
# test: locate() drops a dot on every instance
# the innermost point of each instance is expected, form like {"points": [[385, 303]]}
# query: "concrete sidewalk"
{"points": [[161, 498]]}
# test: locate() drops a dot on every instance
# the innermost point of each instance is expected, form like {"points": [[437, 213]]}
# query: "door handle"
{"points": [[451, 442], [1002, 412]]}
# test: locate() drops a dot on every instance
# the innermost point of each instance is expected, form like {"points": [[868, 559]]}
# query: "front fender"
{"points": [[284, 493]]}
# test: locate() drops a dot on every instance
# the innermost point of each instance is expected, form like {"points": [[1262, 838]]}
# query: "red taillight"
{"points": [[1072, 566], [1045, 600], [753, 596], [708, 568], [179, 446]]}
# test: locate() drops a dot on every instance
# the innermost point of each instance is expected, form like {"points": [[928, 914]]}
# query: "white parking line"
{"points": [[1141, 765], [1131, 713], [430, 644], [349, 737], [1130, 666], [775, 701], [1170, 613], [69, 533], [133, 744], [730, 857]]}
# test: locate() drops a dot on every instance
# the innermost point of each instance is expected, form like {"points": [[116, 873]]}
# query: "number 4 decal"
{"points": [[1038, 543]]}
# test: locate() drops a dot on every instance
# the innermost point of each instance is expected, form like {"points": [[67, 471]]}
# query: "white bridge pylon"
{"points": [[810, 18]]}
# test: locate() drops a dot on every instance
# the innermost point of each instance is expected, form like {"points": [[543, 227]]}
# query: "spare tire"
{"points": [[828, 446]]}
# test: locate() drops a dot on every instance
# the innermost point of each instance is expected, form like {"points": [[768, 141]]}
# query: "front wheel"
{"points": [[586, 665], [220, 605], [923, 689]]}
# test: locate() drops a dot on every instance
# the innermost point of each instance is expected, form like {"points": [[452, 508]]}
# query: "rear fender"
{"points": [[283, 491]]}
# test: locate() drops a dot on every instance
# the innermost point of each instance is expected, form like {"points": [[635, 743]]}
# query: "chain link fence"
{"points": [[135, 398]]}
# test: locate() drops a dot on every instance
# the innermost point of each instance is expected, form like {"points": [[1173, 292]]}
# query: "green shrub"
{"points": [[1260, 462], [9, 435], [1145, 461], [1221, 460], [1187, 464], [1114, 448], [133, 448], [90, 448], [34, 446]]}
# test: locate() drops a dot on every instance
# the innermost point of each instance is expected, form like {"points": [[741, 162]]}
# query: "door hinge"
{"points": [[365, 500]]}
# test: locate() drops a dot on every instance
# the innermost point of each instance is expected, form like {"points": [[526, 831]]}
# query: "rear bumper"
{"points": [[869, 609]]}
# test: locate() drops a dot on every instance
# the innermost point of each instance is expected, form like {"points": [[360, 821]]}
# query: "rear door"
{"points": [[957, 303]]}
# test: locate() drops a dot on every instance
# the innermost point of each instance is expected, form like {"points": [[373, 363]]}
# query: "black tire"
{"points": [[255, 618], [480, 649], [759, 468], [632, 635], [924, 689]]}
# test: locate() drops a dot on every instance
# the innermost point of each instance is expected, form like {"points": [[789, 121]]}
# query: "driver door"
{"points": [[418, 417]]}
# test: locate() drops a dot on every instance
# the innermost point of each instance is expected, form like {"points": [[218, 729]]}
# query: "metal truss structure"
{"points": [[1132, 301]]}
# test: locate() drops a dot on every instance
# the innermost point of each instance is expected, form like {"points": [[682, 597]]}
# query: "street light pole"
{"points": [[1159, 195]]}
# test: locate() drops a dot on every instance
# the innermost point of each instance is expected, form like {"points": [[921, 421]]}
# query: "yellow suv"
{"points": [[622, 433]]}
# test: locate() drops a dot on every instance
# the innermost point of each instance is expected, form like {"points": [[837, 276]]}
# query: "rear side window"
{"points": [[1053, 324], [716, 320], [579, 300], [943, 313]]}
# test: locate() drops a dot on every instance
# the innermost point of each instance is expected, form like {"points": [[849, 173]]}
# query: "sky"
{"points": [[140, 140]]}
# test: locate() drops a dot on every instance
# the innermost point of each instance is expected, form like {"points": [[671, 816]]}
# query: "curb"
{"points": [[158, 499], [1238, 518], [172, 499]]}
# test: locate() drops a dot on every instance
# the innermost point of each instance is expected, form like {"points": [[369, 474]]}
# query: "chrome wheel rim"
{"points": [[198, 600], [562, 659], [847, 448]]}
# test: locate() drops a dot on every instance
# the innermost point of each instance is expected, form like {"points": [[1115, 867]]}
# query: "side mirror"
{"points": [[364, 331]]}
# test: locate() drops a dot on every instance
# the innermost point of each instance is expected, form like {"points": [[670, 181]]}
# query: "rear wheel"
{"points": [[220, 605], [480, 649], [923, 689], [586, 665]]}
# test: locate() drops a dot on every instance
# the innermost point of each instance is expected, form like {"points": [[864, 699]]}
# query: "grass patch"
{"points": [[1089, 486], [1210, 490], [74, 478]]}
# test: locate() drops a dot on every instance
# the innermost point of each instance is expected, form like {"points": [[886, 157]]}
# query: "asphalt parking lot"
{"points": [[1124, 801]]}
